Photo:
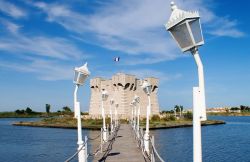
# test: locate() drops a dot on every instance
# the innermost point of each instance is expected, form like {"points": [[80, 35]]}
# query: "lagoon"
{"points": [[221, 143]]}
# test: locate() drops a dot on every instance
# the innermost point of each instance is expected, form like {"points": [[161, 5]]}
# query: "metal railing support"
{"points": [[101, 138], [86, 148]]}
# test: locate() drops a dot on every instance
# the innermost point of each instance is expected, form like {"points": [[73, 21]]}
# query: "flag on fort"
{"points": [[117, 59]]}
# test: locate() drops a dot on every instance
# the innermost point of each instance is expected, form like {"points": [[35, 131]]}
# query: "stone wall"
{"points": [[122, 88]]}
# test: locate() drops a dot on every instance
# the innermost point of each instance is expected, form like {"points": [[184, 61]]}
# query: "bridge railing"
{"points": [[153, 154], [99, 148]]}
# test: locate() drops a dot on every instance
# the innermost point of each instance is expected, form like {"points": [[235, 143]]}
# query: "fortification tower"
{"points": [[122, 88]]}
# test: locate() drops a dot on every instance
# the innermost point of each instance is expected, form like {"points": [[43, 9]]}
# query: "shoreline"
{"points": [[98, 127], [205, 123], [228, 114]]}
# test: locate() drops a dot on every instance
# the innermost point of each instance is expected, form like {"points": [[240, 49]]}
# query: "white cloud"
{"points": [[11, 27], [32, 51], [53, 47], [134, 27], [227, 28], [43, 69], [12, 10], [144, 73]]}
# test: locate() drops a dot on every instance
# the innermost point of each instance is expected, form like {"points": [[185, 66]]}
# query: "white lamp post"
{"points": [[111, 114], [104, 98], [134, 113], [81, 74], [147, 88], [185, 28], [137, 100], [116, 115]]}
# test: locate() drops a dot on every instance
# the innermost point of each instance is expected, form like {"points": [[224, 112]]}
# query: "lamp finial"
{"points": [[173, 6]]}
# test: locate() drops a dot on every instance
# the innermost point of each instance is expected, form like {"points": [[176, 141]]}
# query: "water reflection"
{"points": [[222, 143]]}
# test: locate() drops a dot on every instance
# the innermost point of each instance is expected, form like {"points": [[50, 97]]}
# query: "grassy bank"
{"points": [[69, 122], [229, 114], [15, 115]]}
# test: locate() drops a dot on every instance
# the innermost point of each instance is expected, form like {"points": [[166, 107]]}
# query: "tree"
{"points": [[66, 109], [18, 111], [28, 110], [177, 108], [235, 108], [22, 111], [181, 108], [242, 107], [47, 108], [189, 115]]}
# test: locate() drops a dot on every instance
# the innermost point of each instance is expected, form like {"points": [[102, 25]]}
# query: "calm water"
{"points": [[222, 143]]}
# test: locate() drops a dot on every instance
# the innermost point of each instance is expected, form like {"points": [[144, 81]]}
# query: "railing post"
{"points": [[142, 140], [107, 133], [86, 148], [153, 145], [101, 139]]}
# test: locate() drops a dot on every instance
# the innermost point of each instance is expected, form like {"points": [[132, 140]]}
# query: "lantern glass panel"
{"points": [[81, 78], [196, 31], [181, 35], [150, 88], [137, 99], [145, 90], [76, 76], [104, 96]]}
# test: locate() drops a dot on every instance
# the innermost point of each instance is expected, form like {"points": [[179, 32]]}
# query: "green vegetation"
{"points": [[64, 122], [47, 106], [29, 113], [156, 122], [170, 121], [233, 111], [64, 118], [66, 109]]}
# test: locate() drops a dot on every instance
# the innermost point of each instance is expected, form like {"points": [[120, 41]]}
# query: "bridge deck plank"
{"points": [[124, 148]]}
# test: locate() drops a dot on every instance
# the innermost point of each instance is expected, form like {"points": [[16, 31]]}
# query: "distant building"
{"points": [[218, 109], [122, 88]]}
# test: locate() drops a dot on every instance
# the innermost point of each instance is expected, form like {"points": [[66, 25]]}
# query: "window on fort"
{"points": [[154, 88], [132, 86], [126, 86], [119, 84]]}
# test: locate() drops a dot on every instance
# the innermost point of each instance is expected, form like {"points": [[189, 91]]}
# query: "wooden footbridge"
{"points": [[125, 144], [123, 148]]}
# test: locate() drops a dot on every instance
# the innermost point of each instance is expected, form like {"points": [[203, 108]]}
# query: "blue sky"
{"points": [[42, 41]]}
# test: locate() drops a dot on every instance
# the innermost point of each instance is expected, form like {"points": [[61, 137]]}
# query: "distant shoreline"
{"points": [[167, 125], [228, 114]]}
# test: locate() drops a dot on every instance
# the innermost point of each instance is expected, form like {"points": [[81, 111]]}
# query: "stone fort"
{"points": [[122, 88]]}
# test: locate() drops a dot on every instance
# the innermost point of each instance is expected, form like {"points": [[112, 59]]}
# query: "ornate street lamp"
{"points": [[147, 88], [111, 114], [185, 28], [104, 98], [137, 100], [116, 115], [134, 113], [81, 74]]}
